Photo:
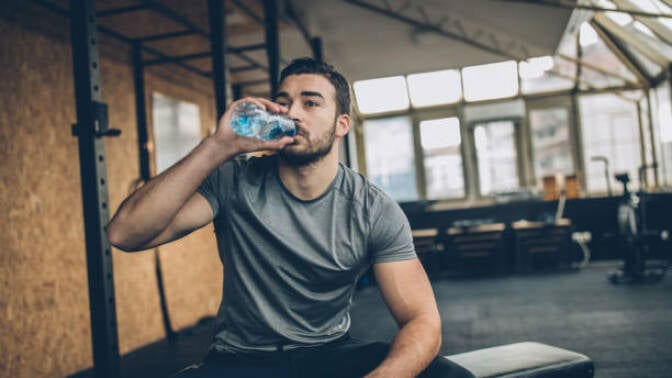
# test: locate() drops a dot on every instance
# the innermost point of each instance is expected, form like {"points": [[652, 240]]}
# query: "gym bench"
{"points": [[526, 359]]}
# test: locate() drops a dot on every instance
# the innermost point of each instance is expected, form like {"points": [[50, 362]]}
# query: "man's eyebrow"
{"points": [[303, 94], [312, 94]]}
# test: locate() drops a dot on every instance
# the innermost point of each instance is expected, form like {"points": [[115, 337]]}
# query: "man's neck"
{"points": [[310, 181]]}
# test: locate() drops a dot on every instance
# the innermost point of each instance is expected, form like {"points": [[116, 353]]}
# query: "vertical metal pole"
{"points": [[145, 174], [91, 123], [218, 45], [642, 145], [272, 43], [578, 151], [316, 47], [141, 110], [237, 90], [652, 138]]}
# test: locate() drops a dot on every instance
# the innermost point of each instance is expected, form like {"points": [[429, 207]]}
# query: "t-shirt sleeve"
{"points": [[390, 237], [215, 187]]}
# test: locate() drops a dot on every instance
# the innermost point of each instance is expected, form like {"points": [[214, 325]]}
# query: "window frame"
{"points": [[428, 115], [562, 101], [518, 147]]}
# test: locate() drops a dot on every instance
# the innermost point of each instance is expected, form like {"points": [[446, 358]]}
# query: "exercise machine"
{"points": [[637, 237]]}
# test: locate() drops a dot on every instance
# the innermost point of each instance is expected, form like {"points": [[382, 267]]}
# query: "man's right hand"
{"points": [[167, 207], [225, 136]]}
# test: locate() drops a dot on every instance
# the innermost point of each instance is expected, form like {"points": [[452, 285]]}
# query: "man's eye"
{"points": [[311, 103]]}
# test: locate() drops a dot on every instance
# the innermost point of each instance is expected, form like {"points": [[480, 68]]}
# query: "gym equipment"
{"points": [[635, 234], [525, 359]]}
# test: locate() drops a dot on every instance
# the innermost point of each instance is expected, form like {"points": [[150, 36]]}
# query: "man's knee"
{"points": [[442, 367]]}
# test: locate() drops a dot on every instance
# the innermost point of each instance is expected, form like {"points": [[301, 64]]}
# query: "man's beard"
{"points": [[315, 152]]}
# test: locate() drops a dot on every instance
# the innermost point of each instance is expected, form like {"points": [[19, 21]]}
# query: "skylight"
{"points": [[490, 81], [381, 95], [434, 88]]}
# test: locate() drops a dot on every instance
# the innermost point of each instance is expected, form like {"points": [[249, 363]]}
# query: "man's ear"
{"points": [[342, 125]]}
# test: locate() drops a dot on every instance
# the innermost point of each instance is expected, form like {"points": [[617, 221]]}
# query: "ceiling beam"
{"points": [[667, 2], [655, 25], [621, 54], [175, 16], [598, 69], [572, 5], [630, 38]]}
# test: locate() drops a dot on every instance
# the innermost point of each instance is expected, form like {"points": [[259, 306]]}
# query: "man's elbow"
{"points": [[120, 239], [437, 332]]}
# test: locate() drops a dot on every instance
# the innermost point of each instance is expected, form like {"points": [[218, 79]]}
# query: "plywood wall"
{"points": [[44, 308]]}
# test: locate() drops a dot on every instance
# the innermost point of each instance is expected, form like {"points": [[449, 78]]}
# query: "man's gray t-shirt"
{"points": [[291, 266]]}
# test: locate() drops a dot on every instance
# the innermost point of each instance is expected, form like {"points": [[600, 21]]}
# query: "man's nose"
{"points": [[294, 111]]}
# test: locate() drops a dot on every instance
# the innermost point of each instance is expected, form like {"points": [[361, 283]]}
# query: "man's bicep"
{"points": [[405, 288], [196, 213]]}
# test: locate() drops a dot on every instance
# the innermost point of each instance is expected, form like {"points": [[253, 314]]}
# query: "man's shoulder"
{"points": [[357, 187]]}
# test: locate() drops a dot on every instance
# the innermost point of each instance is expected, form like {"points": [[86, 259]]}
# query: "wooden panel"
{"points": [[44, 308], [44, 301], [192, 269]]}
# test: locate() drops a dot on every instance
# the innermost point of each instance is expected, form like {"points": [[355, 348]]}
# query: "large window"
{"points": [[441, 147], [435, 88], [546, 74], [610, 130], [551, 144], [177, 129], [390, 158], [381, 95], [496, 156], [664, 115], [490, 81]]}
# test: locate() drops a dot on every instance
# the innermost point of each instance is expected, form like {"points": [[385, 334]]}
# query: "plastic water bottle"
{"points": [[250, 120]]}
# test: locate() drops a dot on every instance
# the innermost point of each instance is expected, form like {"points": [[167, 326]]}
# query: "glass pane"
{"points": [[550, 142], [664, 116], [547, 75], [177, 129], [597, 54], [489, 81], [441, 141], [644, 35], [496, 156], [610, 129], [435, 88], [652, 69], [381, 95], [390, 158]]}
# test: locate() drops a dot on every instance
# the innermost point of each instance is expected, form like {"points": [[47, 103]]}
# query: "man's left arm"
{"points": [[408, 294]]}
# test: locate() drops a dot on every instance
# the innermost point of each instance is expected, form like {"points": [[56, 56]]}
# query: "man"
{"points": [[295, 231]]}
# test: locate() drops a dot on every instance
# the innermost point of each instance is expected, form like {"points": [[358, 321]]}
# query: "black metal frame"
{"points": [[90, 128]]}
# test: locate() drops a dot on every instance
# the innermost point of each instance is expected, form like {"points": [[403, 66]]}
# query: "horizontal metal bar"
{"points": [[158, 37], [205, 54], [237, 50], [171, 14], [572, 5], [176, 58], [52, 7], [252, 82], [258, 19], [122, 10], [183, 65], [243, 68], [118, 36]]}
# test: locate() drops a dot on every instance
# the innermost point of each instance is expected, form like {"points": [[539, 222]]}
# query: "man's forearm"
{"points": [[414, 347], [150, 209]]}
